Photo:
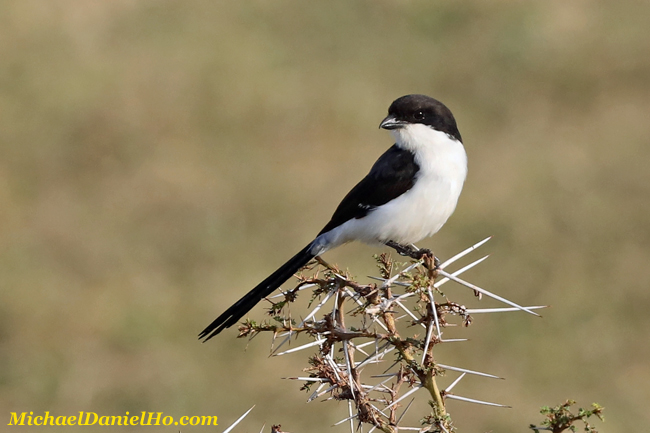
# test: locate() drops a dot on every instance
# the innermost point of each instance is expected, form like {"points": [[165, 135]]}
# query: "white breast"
{"points": [[421, 211]]}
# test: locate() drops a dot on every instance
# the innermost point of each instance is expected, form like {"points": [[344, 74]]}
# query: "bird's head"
{"points": [[420, 110]]}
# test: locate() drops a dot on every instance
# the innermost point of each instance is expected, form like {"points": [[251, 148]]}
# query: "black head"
{"points": [[411, 109]]}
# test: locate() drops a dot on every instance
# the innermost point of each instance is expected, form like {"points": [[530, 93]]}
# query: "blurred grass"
{"points": [[157, 159]]}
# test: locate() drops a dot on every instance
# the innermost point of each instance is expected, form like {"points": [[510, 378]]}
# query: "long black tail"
{"points": [[263, 289]]}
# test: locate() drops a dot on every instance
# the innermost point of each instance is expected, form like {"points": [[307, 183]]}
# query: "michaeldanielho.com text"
{"points": [[91, 418]]}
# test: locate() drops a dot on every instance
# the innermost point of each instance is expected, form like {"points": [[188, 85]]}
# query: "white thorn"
{"points": [[299, 348], [307, 379], [354, 298], [404, 296], [397, 283], [367, 343], [435, 312], [377, 321], [351, 419], [313, 312], [330, 360], [373, 355], [320, 304], [460, 271], [379, 384], [464, 370], [417, 387], [407, 311], [471, 400], [349, 367], [485, 292], [232, 426], [500, 310], [317, 394], [397, 276], [463, 253], [344, 420], [405, 410], [427, 341], [455, 382], [285, 293], [376, 357], [377, 409], [357, 348]]}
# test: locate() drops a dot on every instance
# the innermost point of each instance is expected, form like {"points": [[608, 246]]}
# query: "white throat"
{"points": [[437, 153]]}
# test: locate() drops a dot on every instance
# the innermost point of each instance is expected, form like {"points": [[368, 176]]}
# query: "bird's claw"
{"points": [[415, 253]]}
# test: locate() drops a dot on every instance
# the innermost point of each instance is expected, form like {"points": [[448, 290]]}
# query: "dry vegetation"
{"points": [[159, 158]]}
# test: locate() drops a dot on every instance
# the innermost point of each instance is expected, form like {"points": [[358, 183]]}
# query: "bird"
{"points": [[408, 195]]}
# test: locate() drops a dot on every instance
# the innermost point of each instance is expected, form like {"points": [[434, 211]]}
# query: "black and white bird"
{"points": [[408, 195]]}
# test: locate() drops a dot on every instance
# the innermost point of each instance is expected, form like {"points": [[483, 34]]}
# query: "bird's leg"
{"points": [[413, 252], [430, 261], [408, 250]]}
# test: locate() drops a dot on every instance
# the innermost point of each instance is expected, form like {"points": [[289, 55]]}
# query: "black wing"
{"points": [[392, 175]]}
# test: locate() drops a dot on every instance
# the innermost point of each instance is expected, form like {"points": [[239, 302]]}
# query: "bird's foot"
{"points": [[415, 253]]}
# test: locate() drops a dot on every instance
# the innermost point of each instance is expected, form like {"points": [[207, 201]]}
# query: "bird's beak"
{"points": [[390, 122]]}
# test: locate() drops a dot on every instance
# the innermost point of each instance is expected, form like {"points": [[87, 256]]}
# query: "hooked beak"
{"points": [[390, 122]]}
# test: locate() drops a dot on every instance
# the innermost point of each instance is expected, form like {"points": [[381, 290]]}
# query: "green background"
{"points": [[159, 158]]}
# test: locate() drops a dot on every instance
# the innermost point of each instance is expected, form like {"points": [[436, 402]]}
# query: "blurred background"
{"points": [[159, 158]]}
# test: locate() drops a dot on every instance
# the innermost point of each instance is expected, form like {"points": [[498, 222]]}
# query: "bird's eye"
{"points": [[419, 115]]}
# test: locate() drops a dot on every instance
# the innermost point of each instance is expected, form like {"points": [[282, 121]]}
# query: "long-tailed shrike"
{"points": [[407, 196]]}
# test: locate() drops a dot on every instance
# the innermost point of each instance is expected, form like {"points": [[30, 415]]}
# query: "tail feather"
{"points": [[262, 290]]}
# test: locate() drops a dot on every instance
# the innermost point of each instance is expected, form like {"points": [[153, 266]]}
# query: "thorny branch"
{"points": [[364, 316]]}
